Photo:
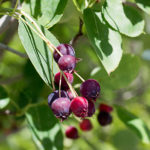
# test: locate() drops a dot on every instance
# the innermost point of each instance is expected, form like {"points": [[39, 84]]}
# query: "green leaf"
{"points": [[45, 128], [126, 72], [144, 5], [38, 52], [4, 99], [106, 42], [134, 123], [47, 12], [124, 19]]}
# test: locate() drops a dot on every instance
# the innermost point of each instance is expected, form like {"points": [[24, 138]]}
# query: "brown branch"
{"points": [[5, 47], [77, 36]]}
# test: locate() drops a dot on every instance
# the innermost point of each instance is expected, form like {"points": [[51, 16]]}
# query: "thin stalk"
{"points": [[14, 10], [79, 76], [53, 84], [60, 84]]}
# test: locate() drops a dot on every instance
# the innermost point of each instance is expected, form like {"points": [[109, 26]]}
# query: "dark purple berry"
{"points": [[79, 106], [61, 108], [53, 96], [67, 63], [86, 125], [72, 132], [64, 84], [104, 118], [90, 89], [91, 109], [65, 49]]}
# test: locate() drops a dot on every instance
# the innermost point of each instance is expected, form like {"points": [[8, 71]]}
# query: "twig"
{"points": [[3, 46], [73, 41]]}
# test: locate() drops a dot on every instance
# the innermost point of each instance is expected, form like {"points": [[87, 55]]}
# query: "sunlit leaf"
{"points": [[106, 42]]}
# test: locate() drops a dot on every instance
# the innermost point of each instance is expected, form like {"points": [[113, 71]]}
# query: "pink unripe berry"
{"points": [[79, 106], [86, 125], [105, 108], [72, 132]]}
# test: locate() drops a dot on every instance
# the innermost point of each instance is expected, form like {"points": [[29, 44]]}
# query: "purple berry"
{"points": [[90, 89], [91, 109], [65, 49], [67, 63], [53, 96], [61, 108], [79, 106], [104, 118], [72, 132]]}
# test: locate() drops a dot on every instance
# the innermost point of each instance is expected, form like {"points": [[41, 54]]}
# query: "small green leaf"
{"points": [[134, 123], [144, 5], [45, 128], [4, 99], [47, 12], [38, 51], [106, 42], [122, 18]]}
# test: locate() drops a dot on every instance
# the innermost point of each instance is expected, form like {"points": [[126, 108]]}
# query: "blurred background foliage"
{"points": [[128, 85]]}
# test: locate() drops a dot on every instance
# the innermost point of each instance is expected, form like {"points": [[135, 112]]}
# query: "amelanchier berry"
{"points": [[64, 49], [104, 118], [72, 132], [90, 89], [91, 108], [64, 84], [86, 125], [79, 106], [67, 63], [105, 108], [61, 108], [53, 96]]}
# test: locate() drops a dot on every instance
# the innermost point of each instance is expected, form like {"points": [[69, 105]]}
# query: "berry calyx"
{"points": [[79, 106], [104, 118], [86, 125], [64, 84], [61, 108], [90, 89], [65, 49], [67, 63], [72, 132], [53, 96], [105, 108], [91, 109]]}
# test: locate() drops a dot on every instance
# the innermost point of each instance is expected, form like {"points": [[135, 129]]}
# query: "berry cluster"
{"points": [[104, 117], [64, 101]]}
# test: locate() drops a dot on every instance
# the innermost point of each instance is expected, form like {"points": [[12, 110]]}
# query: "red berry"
{"points": [[79, 106], [86, 125], [64, 84], [53, 96], [104, 118], [65, 49], [90, 89], [72, 132], [61, 108], [105, 108], [70, 95], [67, 63], [91, 108]]}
